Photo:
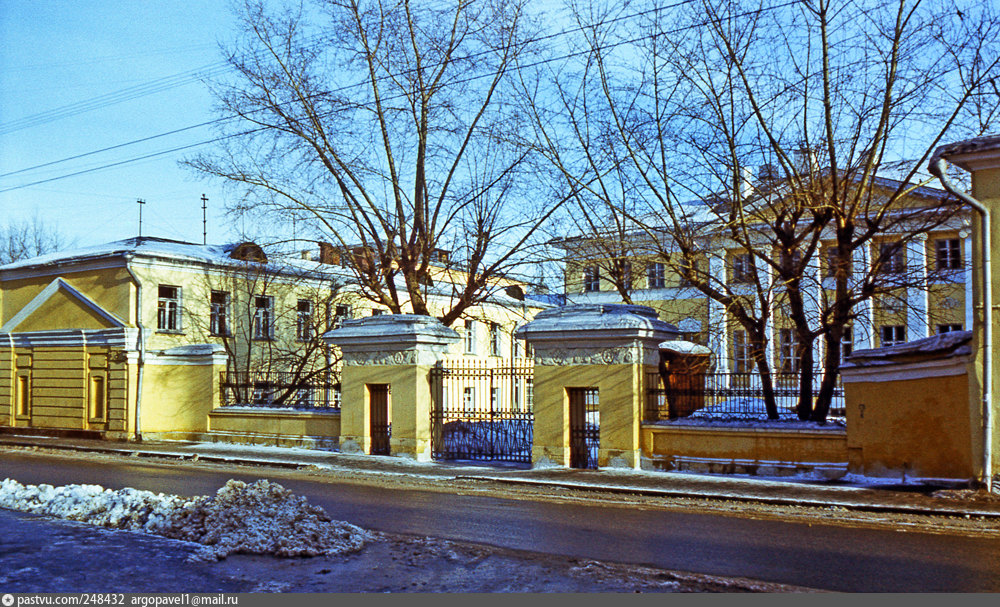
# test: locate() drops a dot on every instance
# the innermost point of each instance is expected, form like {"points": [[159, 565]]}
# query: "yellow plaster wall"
{"points": [[63, 311], [923, 427], [620, 397], [110, 288], [275, 425], [663, 443], [59, 389], [178, 398], [409, 407]]}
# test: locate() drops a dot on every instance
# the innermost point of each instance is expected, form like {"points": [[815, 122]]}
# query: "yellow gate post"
{"points": [[397, 350], [610, 347]]}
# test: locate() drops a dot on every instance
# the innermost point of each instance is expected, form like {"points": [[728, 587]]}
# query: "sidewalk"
{"points": [[866, 496]]}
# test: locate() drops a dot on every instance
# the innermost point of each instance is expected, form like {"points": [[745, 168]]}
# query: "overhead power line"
{"points": [[359, 84]]}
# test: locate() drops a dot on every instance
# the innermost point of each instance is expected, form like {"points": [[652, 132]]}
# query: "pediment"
{"points": [[61, 306]]}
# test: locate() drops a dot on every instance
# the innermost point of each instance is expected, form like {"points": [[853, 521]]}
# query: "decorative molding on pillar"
{"points": [[597, 355], [384, 357], [597, 335]]}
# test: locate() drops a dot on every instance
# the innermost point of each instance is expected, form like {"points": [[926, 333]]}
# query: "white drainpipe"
{"points": [[937, 168], [142, 346]]}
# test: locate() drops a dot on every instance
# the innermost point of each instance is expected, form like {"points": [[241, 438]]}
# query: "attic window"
{"points": [[249, 251]]}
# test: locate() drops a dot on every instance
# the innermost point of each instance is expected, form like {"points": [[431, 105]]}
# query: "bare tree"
{"points": [[270, 317], [390, 128], [29, 238], [790, 126]]}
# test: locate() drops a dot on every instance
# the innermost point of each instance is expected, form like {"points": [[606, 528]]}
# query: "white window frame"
{"points": [[303, 320], [591, 279], [742, 268], [496, 340], [742, 358], [263, 318], [948, 254], [788, 359], [218, 321], [894, 264], [656, 276], [846, 344], [169, 318], [470, 337], [896, 335]]}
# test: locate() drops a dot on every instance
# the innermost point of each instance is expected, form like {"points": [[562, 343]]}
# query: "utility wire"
{"points": [[363, 83]]}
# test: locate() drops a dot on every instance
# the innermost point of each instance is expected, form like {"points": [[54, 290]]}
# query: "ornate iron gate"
{"points": [[482, 410], [381, 429], [584, 427]]}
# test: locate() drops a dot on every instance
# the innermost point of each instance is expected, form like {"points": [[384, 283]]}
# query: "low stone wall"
{"points": [[281, 428], [765, 451]]}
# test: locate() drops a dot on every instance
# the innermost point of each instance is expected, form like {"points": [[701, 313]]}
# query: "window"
{"points": [[469, 398], [742, 359], [168, 308], [830, 257], [655, 276], [626, 273], [892, 335], [788, 352], [891, 257], [846, 344], [742, 268], [377, 312], [470, 337], [340, 314], [494, 397], [529, 392], [591, 279], [303, 320], [496, 340], [949, 254], [949, 328], [219, 317], [263, 317]]}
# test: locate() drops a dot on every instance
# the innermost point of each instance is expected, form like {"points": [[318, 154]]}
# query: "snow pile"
{"points": [[260, 518]]}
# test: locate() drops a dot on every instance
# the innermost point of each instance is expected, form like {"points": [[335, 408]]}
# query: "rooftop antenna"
{"points": [[204, 219], [140, 202]]}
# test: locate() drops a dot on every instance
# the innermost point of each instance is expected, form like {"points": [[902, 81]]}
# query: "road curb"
{"points": [[777, 501], [614, 489]]}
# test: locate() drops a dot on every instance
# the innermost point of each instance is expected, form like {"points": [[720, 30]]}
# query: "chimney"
{"points": [[328, 254]]}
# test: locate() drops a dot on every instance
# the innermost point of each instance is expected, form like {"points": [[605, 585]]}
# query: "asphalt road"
{"points": [[820, 556]]}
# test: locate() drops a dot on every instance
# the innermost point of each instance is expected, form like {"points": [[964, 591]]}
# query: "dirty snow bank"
{"points": [[261, 518]]}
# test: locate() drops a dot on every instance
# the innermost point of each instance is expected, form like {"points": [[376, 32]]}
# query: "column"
{"points": [[917, 324], [812, 300], [970, 301], [397, 350], [718, 320], [611, 348], [864, 323]]}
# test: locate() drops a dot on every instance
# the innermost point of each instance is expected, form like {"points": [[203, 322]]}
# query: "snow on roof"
{"points": [[173, 250]]}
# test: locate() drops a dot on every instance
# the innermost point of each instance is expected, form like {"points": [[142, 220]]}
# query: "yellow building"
{"points": [[149, 335], [938, 262]]}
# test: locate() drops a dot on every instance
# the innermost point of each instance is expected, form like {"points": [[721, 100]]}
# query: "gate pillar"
{"points": [[610, 347], [397, 350]]}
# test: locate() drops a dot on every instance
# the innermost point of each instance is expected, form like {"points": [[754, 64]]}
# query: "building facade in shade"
{"points": [[932, 268], [79, 325]]}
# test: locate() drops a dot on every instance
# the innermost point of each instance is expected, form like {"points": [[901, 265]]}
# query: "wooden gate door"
{"points": [[381, 428], [584, 427]]}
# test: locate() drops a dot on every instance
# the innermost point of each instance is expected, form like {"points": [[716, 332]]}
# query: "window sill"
{"points": [[169, 332]]}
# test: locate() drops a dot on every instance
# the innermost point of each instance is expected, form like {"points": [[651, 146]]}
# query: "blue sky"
{"points": [[61, 57]]}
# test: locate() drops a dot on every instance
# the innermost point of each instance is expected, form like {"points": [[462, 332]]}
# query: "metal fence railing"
{"points": [[279, 390], [728, 397]]}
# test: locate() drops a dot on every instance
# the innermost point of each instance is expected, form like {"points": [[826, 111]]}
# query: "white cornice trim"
{"points": [[46, 294], [123, 337]]}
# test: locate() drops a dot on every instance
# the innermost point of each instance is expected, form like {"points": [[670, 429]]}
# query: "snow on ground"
{"points": [[259, 518]]}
